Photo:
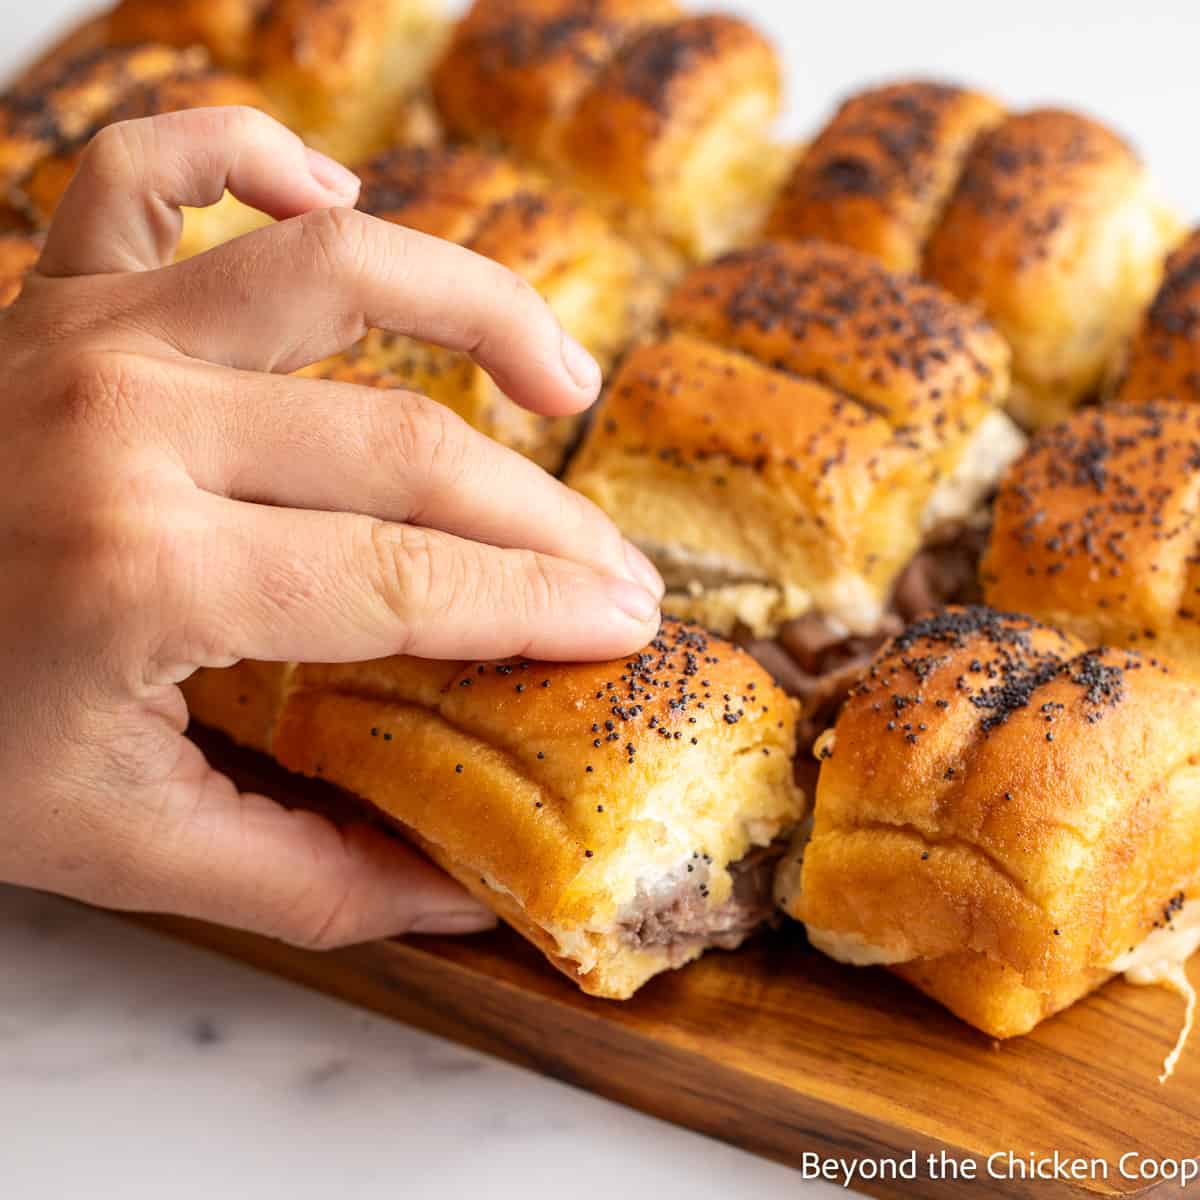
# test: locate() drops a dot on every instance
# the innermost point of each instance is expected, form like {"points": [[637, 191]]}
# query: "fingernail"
{"points": [[581, 366], [632, 599], [644, 571], [332, 176], [463, 920]]}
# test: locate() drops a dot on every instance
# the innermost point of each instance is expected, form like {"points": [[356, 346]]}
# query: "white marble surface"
{"points": [[136, 1067]]}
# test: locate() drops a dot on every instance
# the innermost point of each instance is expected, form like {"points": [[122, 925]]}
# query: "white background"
{"points": [[132, 1067]]}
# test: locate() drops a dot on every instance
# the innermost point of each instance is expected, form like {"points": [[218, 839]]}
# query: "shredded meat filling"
{"points": [[819, 665], [676, 913]]}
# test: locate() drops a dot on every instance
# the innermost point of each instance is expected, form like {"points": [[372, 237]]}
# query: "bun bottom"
{"points": [[991, 995], [242, 701], [619, 970]]}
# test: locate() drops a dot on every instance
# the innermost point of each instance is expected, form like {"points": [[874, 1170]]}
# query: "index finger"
{"points": [[294, 293]]}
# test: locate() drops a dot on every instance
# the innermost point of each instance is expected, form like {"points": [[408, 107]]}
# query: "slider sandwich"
{"points": [[1006, 819], [1163, 359], [340, 72], [803, 430], [663, 116], [622, 816], [1096, 528], [1045, 219], [879, 175], [597, 283]]}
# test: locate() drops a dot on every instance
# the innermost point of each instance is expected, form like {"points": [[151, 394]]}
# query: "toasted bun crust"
{"points": [[664, 116], [514, 70], [243, 701], [671, 123], [224, 27], [596, 281], [1095, 529], [831, 314], [790, 428], [1163, 360], [880, 173], [341, 70], [488, 763], [194, 85], [55, 106], [1056, 232], [1004, 813], [18, 253]]}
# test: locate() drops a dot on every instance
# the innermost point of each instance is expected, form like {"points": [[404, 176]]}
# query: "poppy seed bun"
{"points": [[566, 795], [804, 423], [879, 174], [1002, 814], [1057, 233]]}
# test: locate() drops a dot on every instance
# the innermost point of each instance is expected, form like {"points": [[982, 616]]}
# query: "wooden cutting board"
{"points": [[783, 1052]]}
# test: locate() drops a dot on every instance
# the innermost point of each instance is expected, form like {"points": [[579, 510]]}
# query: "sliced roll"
{"points": [[1007, 818], [622, 816], [340, 72], [878, 176], [1057, 232], [1096, 529], [664, 116], [804, 425], [1163, 359]]}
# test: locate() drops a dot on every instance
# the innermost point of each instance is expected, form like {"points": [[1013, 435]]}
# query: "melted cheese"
{"points": [[1159, 961], [959, 498]]}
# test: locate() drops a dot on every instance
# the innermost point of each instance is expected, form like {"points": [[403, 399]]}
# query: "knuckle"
{"points": [[337, 239], [99, 389], [535, 586], [114, 151], [408, 574], [418, 433]]}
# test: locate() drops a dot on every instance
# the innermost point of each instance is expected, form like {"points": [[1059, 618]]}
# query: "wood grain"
{"points": [[779, 1050]]}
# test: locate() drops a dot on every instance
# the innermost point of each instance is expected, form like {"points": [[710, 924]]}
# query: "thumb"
{"points": [[241, 859]]}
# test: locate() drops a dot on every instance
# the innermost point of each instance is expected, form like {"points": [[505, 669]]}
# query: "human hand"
{"points": [[173, 500]]}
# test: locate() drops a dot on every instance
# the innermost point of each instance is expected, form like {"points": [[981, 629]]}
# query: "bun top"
{"points": [[1164, 357], [879, 174], [994, 784], [515, 69], [834, 315], [1098, 520]]}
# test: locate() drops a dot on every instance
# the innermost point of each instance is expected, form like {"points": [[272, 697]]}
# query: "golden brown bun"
{"points": [[1056, 232], [596, 282], [1163, 361], [340, 71], [563, 793], [18, 253], [1002, 814], [443, 191], [879, 174], [60, 104], [514, 70], [1095, 529], [243, 701], [662, 116], [225, 28], [675, 125], [832, 314], [194, 86], [804, 423]]}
